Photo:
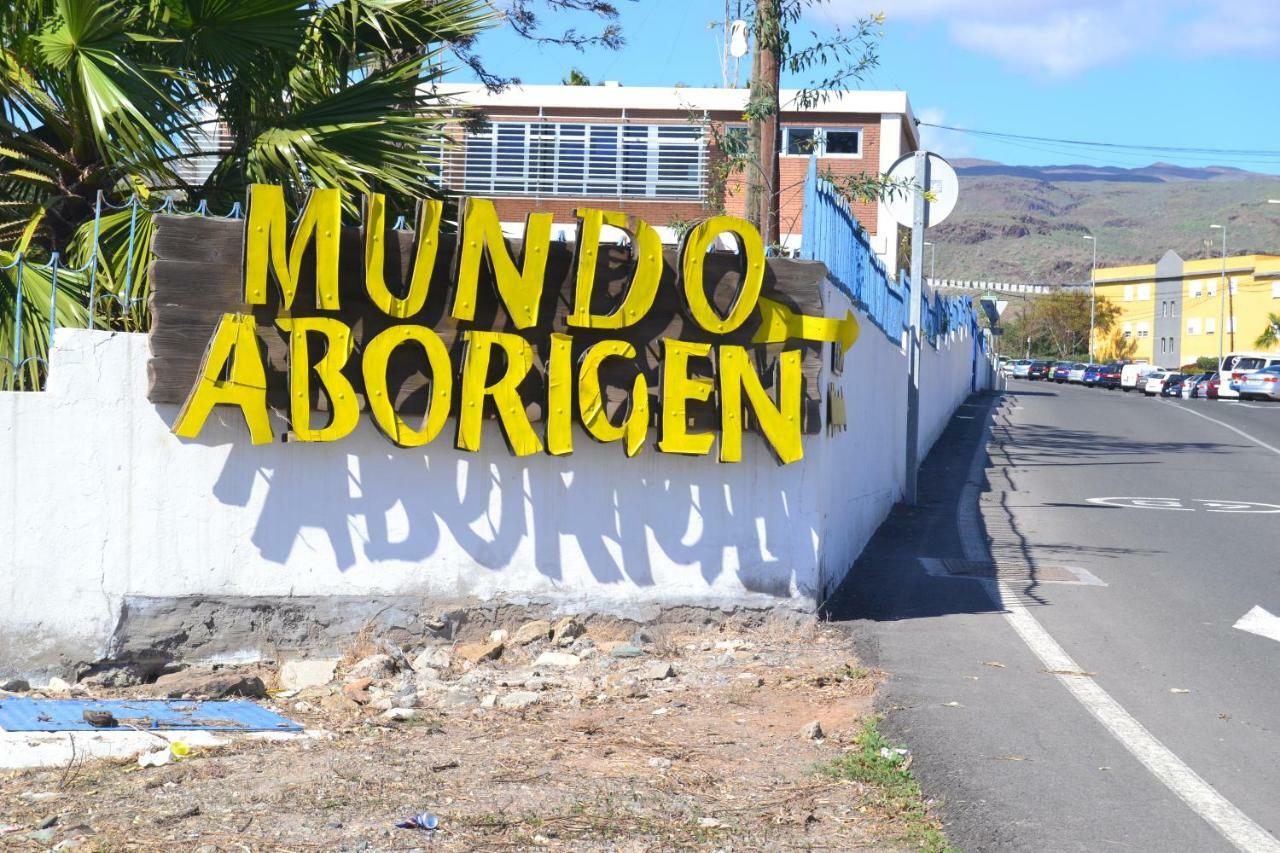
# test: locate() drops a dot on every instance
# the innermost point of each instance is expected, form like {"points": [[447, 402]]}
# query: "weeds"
{"points": [[893, 792]]}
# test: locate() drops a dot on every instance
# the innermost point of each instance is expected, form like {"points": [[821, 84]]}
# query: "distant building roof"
{"points": [[616, 97]]}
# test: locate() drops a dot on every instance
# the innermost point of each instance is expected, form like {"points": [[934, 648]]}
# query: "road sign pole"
{"points": [[911, 494]]}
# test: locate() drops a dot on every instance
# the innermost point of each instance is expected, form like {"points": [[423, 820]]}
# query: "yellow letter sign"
{"points": [[268, 222], [638, 299], [233, 343], [520, 289], [779, 423], [376, 355], [693, 251], [343, 406], [505, 392]]}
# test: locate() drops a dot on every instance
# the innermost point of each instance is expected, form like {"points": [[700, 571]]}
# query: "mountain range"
{"points": [[1025, 224]]}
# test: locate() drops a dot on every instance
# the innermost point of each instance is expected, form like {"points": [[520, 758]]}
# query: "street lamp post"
{"points": [[1093, 292], [1221, 301], [933, 256]]}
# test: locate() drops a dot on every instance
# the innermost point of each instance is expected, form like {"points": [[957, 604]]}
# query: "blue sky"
{"points": [[1151, 72]]}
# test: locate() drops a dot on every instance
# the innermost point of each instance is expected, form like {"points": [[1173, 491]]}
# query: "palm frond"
{"points": [[24, 340]]}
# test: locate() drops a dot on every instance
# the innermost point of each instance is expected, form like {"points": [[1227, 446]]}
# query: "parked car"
{"points": [[1236, 366], [1262, 384], [1092, 375], [1109, 376], [1191, 385], [1154, 381], [1020, 368], [1172, 385], [1211, 386], [1005, 365], [1062, 371], [1076, 374], [1134, 376], [1039, 370]]}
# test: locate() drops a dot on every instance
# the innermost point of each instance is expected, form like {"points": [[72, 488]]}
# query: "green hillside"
{"points": [[1025, 224]]}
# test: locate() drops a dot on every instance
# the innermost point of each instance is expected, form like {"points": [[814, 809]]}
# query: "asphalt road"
{"points": [[1141, 595]]}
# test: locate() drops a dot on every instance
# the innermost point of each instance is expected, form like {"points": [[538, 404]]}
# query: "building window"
{"points": [[1144, 292], [1142, 330], [1231, 325], [1128, 330], [1128, 293], [823, 141], [1213, 287], [1235, 284], [1193, 326], [1197, 288], [1275, 290], [577, 159], [1210, 325], [1163, 345]]}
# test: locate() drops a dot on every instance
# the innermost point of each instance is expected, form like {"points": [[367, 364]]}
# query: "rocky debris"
{"points": [[566, 631], [531, 632], [658, 671], [201, 683], [57, 685], [622, 651], [660, 762], [402, 715], [434, 657], [358, 691], [117, 675], [477, 652], [750, 679], [499, 635], [562, 660], [15, 685], [812, 730], [374, 666], [518, 699], [301, 674], [456, 698], [397, 655]]}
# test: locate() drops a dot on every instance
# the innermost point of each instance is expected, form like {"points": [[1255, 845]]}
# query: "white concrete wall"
{"points": [[100, 503]]}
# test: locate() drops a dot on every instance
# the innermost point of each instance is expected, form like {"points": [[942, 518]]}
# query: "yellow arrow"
{"points": [[778, 323]]}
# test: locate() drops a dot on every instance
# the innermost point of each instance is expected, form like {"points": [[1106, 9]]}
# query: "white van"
{"points": [[1134, 376], [1236, 366]]}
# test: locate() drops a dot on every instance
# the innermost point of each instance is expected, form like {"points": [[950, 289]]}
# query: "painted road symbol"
{"points": [[1179, 505]]}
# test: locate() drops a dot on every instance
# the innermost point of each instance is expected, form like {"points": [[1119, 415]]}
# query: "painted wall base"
{"points": [[108, 520]]}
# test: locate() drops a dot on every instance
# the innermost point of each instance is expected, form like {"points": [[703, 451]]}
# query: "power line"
{"points": [[1167, 149]]}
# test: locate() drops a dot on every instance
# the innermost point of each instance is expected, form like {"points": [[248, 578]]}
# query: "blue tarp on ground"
{"points": [[20, 714]]}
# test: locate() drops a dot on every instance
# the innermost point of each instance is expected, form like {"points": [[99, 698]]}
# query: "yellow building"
{"points": [[1174, 311]]}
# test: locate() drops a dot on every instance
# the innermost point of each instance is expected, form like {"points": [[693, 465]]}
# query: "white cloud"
{"points": [[1061, 38], [948, 143]]}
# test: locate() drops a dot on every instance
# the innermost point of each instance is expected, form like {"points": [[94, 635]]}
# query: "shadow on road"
{"points": [[890, 581]]}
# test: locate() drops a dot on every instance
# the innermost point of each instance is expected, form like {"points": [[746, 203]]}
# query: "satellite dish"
{"points": [[738, 39]]}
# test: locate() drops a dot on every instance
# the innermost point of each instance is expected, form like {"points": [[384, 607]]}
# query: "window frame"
{"points": [[820, 146]]}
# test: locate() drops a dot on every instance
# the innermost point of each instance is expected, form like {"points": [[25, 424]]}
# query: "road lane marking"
{"points": [[1257, 441], [1260, 622], [1219, 506], [1233, 824]]}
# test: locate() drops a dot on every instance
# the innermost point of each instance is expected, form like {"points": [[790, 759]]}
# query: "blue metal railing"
{"points": [[77, 296], [833, 235]]}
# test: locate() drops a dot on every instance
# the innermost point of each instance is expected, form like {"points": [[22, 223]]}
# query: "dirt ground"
{"points": [[615, 751]]}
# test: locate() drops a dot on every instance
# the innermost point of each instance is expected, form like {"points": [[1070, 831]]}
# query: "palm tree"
{"points": [[115, 96], [1271, 336]]}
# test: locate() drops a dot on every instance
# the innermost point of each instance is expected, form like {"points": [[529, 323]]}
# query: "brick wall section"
{"points": [[669, 212]]}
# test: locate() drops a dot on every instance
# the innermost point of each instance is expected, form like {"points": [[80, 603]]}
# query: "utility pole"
{"points": [[763, 134], [1222, 298], [1093, 293], [916, 316]]}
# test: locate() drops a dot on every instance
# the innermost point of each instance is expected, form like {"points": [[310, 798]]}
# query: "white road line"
{"points": [[1260, 622], [1217, 810], [1257, 441]]}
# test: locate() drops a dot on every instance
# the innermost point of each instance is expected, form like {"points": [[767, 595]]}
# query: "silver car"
{"points": [[1020, 368], [1261, 385]]}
